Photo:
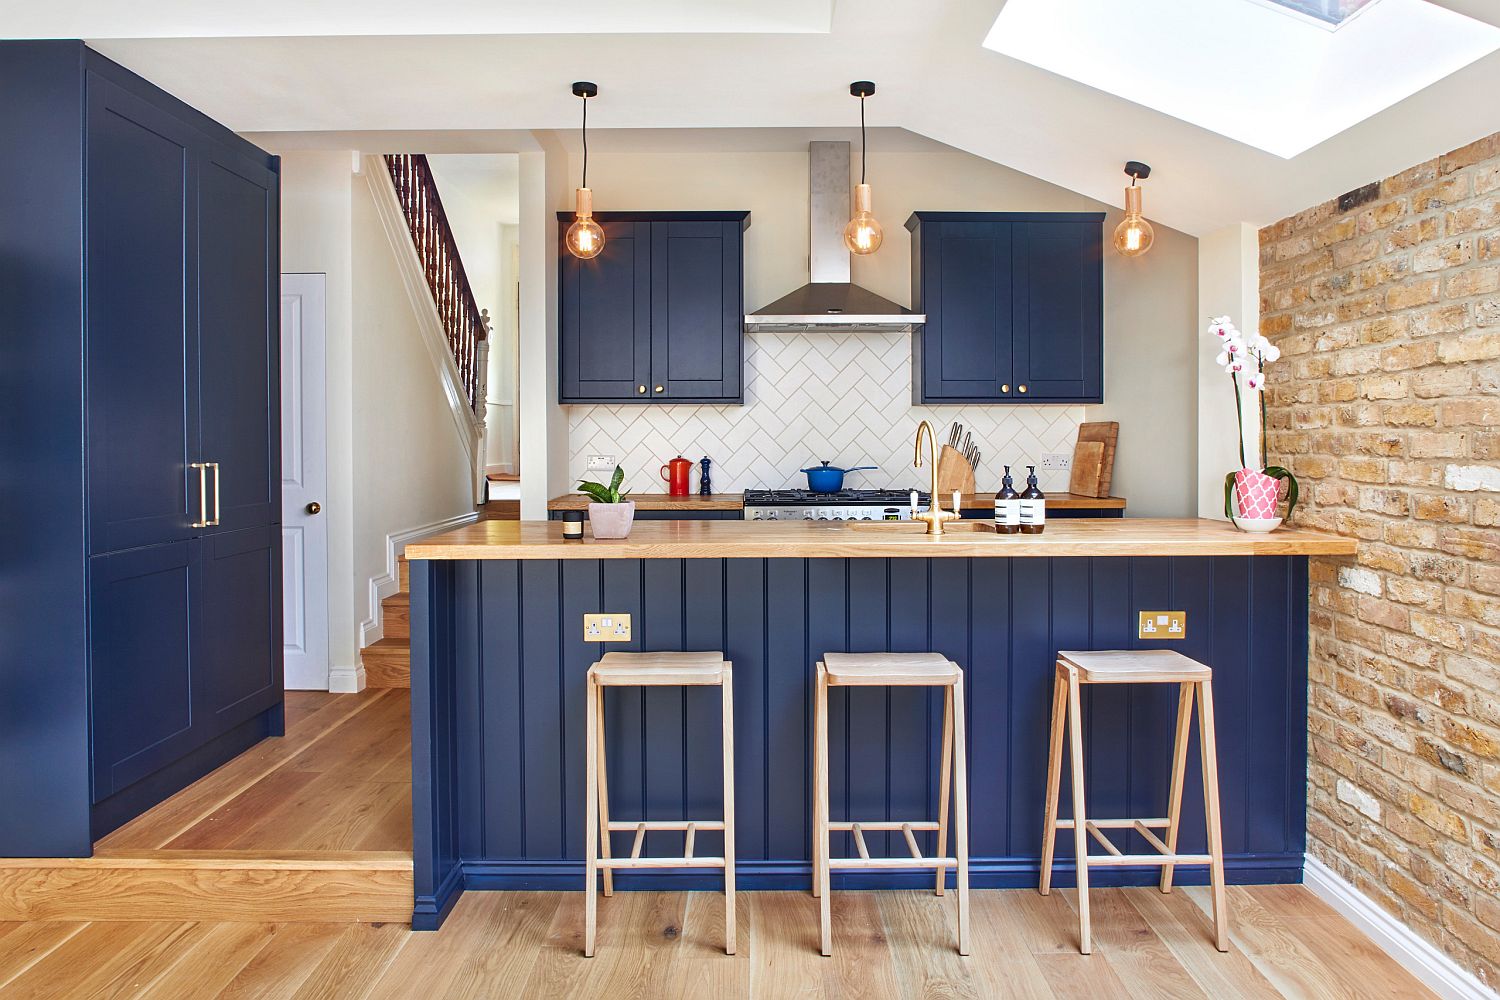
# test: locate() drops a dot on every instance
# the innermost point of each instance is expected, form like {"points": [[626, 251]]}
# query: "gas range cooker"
{"points": [[845, 505]]}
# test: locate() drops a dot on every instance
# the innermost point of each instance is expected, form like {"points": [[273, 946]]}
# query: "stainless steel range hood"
{"points": [[829, 302]]}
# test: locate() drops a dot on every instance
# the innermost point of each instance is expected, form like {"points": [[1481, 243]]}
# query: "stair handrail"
{"points": [[465, 325]]}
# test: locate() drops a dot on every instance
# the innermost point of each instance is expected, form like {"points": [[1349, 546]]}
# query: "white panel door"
{"points": [[304, 482]]}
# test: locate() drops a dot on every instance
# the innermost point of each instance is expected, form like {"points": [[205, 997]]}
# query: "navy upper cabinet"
{"points": [[1014, 304], [658, 316]]}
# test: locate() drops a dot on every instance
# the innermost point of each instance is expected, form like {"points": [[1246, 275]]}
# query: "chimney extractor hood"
{"points": [[830, 302]]}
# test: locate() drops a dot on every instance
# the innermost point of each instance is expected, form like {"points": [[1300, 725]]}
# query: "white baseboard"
{"points": [[1435, 970], [372, 629], [346, 680]]}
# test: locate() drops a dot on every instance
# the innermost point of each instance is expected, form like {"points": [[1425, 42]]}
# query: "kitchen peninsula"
{"points": [[499, 660]]}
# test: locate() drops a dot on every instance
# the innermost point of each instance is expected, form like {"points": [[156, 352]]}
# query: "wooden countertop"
{"points": [[736, 501], [872, 539]]}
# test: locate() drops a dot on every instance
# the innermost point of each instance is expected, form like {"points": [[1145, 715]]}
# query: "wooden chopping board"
{"points": [[1093, 477]]}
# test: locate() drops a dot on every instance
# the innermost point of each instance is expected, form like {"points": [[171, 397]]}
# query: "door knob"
{"points": [[314, 507], [658, 389], [1022, 388], [640, 389], [1005, 387]]}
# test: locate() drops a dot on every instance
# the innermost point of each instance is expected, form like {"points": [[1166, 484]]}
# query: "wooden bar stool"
{"points": [[894, 670], [653, 670], [1148, 666]]}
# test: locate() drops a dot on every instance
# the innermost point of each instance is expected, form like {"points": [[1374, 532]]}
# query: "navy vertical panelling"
{"points": [[660, 628], [624, 718], [949, 635], [745, 624], [500, 668], [827, 631], [868, 775], [1265, 686], [1234, 641], [501, 725], [1033, 661], [911, 773], [788, 710], [580, 596], [703, 629], [987, 687], [541, 708], [468, 682]]}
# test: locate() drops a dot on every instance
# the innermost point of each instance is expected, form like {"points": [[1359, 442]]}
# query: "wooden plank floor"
{"points": [[314, 826], [1284, 942]]}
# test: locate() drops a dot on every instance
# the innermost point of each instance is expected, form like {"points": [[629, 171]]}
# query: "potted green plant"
{"points": [[610, 515]]}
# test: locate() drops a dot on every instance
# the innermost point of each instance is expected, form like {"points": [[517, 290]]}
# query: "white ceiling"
{"points": [[935, 79]]}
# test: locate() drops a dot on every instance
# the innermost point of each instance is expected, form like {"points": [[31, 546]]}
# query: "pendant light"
{"points": [[1133, 235], [585, 239], [863, 234]]}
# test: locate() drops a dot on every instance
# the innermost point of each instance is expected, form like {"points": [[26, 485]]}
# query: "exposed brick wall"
{"points": [[1386, 405]]}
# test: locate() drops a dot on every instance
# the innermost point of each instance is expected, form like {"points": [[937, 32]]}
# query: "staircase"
{"points": [[387, 661]]}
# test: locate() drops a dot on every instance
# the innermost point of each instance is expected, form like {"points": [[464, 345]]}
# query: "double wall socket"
{"points": [[1162, 625], [606, 628], [601, 463], [1056, 461]]}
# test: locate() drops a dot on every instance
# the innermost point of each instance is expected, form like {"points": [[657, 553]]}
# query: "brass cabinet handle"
{"points": [[215, 467], [641, 389], [314, 507], [1021, 387], [658, 388], [1005, 387], [203, 520]]}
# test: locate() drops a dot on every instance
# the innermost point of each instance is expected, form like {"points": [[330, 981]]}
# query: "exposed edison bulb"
{"points": [[584, 238], [1133, 235], [863, 234]]}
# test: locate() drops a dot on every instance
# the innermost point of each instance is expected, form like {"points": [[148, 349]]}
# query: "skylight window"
{"points": [[1263, 72], [1332, 13]]}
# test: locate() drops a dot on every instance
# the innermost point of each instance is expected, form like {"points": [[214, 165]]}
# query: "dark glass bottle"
{"points": [[1007, 507], [1033, 505]]}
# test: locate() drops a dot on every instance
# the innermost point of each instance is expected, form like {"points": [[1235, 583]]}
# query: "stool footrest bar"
{"points": [[671, 824], [1148, 859], [661, 863], [892, 863], [1108, 824], [867, 827]]}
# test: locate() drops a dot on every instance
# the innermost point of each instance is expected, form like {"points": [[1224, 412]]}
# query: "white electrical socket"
{"points": [[1057, 461], [601, 463]]}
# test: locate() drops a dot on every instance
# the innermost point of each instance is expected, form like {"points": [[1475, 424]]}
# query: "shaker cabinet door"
{"points": [[240, 652], [966, 294], [141, 288], [605, 320], [239, 339], [1058, 311], [697, 311], [143, 616]]}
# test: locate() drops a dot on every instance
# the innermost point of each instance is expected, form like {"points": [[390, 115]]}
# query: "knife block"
{"points": [[954, 472]]}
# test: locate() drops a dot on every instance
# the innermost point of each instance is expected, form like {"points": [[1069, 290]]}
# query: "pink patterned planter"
{"points": [[1255, 494]]}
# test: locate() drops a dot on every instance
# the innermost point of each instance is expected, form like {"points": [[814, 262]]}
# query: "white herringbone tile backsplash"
{"points": [[844, 397]]}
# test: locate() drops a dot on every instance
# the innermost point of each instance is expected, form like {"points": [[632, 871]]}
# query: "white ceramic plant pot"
{"points": [[611, 520]]}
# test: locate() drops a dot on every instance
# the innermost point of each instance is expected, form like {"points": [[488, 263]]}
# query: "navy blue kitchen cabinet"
{"points": [[1014, 305], [658, 315], [140, 257]]}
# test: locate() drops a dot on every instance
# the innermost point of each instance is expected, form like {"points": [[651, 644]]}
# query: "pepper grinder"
{"points": [[705, 487]]}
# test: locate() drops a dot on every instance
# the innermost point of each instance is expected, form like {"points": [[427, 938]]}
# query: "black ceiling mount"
{"points": [[861, 88], [1137, 169], [585, 89]]}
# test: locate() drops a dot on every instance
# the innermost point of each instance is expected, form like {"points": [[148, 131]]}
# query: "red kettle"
{"points": [[676, 474]]}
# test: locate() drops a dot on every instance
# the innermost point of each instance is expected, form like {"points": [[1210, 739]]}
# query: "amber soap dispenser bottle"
{"points": [[1007, 507], [1033, 505]]}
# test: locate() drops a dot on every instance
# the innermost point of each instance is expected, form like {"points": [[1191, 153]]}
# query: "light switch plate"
{"points": [[1057, 461], [607, 627], [1162, 625], [600, 463]]}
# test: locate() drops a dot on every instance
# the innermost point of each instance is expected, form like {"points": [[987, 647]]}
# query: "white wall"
{"points": [[1228, 284], [1150, 310], [316, 204], [410, 466], [544, 436]]}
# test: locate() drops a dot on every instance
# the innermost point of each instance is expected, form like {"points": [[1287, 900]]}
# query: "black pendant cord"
{"points": [[585, 142], [863, 146]]}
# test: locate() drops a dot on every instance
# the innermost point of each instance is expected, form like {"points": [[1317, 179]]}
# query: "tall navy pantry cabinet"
{"points": [[140, 551], [1014, 304]]}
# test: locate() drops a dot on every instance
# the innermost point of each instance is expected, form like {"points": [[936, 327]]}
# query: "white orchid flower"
{"points": [[1222, 359], [1255, 381], [1273, 353]]}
